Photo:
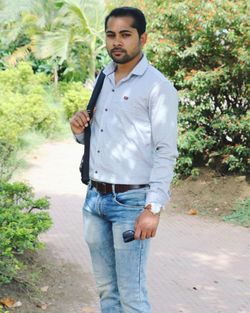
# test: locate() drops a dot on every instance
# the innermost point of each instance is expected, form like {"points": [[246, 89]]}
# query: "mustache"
{"points": [[117, 50]]}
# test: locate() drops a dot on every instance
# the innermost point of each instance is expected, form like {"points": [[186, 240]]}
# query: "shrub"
{"points": [[7, 164], [22, 219], [74, 97], [25, 105], [202, 46]]}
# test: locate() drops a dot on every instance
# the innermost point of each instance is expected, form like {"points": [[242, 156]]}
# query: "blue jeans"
{"points": [[119, 267]]}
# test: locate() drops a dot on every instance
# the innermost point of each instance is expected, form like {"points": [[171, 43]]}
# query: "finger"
{"points": [[137, 233], [79, 121], [83, 116], [75, 125], [153, 233], [143, 235], [86, 114]]}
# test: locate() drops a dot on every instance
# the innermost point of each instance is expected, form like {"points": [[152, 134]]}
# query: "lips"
{"points": [[117, 52]]}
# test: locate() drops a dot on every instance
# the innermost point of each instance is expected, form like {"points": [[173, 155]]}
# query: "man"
{"points": [[132, 156]]}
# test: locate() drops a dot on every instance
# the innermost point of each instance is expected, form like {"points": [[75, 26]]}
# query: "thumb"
{"points": [[137, 231]]}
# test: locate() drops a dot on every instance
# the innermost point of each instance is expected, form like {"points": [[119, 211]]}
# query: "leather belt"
{"points": [[107, 188]]}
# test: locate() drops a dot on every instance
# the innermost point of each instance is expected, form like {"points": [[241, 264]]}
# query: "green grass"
{"points": [[241, 214]]}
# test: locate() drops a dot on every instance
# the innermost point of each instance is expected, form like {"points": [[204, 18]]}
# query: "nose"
{"points": [[117, 42]]}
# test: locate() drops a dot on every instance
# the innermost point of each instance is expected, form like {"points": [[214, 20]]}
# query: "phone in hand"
{"points": [[128, 235]]}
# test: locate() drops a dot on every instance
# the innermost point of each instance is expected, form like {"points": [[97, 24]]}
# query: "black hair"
{"points": [[139, 18]]}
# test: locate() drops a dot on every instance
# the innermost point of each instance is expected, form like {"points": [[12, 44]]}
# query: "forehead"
{"points": [[116, 24]]}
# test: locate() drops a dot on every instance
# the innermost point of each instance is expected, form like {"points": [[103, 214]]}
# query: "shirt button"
{"points": [[106, 110], [101, 130], [96, 172], [113, 90], [98, 151]]}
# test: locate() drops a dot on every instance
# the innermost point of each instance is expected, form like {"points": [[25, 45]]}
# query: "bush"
{"points": [[74, 97], [25, 105], [202, 47], [22, 219]]}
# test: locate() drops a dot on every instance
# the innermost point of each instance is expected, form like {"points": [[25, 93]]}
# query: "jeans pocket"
{"points": [[132, 198], [89, 199]]}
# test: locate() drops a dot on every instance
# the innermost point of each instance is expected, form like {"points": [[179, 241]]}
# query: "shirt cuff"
{"points": [[157, 204], [79, 137], [153, 198]]}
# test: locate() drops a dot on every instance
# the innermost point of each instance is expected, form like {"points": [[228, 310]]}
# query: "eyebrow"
{"points": [[121, 32]]}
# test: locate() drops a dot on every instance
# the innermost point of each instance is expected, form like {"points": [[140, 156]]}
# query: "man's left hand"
{"points": [[146, 225]]}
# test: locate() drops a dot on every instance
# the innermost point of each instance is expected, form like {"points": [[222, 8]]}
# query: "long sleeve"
{"points": [[163, 108], [79, 138]]}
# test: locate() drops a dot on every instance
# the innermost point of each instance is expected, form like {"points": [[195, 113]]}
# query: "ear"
{"points": [[143, 38]]}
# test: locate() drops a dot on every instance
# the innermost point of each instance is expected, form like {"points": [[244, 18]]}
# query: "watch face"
{"points": [[155, 208]]}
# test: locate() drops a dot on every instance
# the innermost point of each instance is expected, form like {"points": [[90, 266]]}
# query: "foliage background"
{"points": [[199, 45]]}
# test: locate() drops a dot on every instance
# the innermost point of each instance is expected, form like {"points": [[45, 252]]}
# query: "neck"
{"points": [[126, 68]]}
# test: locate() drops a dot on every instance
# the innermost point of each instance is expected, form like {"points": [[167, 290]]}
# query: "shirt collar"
{"points": [[138, 70]]}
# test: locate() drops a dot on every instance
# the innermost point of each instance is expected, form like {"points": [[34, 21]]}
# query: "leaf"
{"points": [[192, 212], [8, 302]]}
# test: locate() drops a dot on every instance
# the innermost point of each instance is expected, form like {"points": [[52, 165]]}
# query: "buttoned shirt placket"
{"points": [[103, 119]]}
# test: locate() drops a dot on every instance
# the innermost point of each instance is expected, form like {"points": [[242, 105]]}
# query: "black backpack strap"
{"points": [[95, 94], [84, 166]]}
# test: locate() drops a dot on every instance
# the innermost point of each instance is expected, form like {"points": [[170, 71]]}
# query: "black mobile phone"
{"points": [[128, 235]]}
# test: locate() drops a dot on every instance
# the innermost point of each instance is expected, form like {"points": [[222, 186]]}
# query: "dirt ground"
{"points": [[210, 194], [60, 285], [53, 286]]}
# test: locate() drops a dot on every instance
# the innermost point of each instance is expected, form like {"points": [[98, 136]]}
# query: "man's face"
{"points": [[122, 41]]}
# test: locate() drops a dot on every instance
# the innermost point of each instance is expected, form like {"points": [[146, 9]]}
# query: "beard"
{"points": [[125, 57]]}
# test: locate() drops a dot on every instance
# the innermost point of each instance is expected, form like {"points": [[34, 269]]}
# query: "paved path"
{"points": [[196, 265]]}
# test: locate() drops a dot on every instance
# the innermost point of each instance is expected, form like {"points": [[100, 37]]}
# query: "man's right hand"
{"points": [[79, 121]]}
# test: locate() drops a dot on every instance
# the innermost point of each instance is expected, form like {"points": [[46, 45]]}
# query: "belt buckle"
{"points": [[104, 187]]}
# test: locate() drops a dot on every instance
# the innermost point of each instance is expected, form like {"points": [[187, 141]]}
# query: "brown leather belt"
{"points": [[107, 188]]}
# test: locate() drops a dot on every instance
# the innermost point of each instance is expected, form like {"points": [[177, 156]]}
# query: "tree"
{"points": [[53, 29], [82, 23], [202, 46]]}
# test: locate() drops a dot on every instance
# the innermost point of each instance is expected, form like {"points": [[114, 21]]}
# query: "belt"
{"points": [[107, 188]]}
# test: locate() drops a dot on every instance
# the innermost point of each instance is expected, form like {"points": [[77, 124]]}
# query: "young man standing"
{"points": [[132, 157]]}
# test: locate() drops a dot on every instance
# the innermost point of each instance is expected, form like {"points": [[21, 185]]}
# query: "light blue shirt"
{"points": [[134, 131]]}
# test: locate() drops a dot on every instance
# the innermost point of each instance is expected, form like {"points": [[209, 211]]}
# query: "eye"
{"points": [[126, 35], [110, 35]]}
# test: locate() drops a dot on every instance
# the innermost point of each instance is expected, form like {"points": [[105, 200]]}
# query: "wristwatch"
{"points": [[154, 208]]}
